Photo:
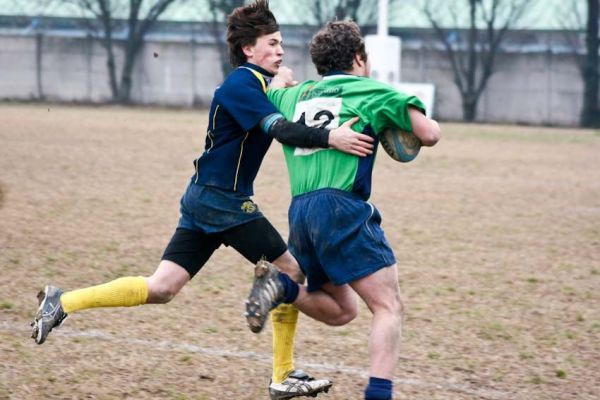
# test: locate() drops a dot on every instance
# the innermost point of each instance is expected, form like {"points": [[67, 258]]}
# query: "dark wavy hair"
{"points": [[246, 24], [333, 47]]}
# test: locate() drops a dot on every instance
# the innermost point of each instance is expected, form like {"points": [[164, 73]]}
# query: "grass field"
{"points": [[496, 231]]}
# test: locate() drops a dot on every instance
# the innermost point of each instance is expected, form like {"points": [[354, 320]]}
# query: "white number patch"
{"points": [[320, 112]]}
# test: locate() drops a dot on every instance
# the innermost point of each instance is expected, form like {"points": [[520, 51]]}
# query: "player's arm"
{"points": [[299, 135], [294, 134], [427, 130]]}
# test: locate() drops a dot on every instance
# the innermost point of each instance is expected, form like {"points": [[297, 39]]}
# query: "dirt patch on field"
{"points": [[496, 231]]}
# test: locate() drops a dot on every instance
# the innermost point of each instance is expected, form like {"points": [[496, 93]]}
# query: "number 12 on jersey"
{"points": [[320, 112]]}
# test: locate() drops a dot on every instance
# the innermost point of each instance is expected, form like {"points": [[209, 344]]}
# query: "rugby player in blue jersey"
{"points": [[216, 207]]}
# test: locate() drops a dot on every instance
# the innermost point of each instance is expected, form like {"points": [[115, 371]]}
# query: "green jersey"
{"points": [[328, 104]]}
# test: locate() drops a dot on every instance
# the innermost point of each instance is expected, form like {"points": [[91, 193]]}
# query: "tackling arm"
{"points": [[342, 138], [294, 134]]}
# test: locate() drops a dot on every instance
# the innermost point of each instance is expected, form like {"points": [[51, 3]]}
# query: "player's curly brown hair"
{"points": [[333, 47], [245, 24]]}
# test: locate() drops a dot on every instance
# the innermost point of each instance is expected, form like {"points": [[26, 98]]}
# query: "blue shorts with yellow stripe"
{"points": [[336, 237]]}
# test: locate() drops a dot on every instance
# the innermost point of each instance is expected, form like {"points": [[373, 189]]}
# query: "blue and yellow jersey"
{"points": [[235, 144]]}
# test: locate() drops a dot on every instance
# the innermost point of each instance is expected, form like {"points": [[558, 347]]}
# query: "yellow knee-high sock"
{"points": [[122, 292], [284, 319]]}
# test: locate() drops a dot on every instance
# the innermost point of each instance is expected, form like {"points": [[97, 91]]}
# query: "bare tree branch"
{"points": [[473, 56], [363, 12], [107, 14], [573, 25], [452, 56]]}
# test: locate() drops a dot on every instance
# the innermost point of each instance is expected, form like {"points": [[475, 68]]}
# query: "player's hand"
{"points": [[348, 141], [283, 79]]}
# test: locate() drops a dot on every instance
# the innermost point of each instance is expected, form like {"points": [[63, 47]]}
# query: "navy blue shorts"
{"points": [[211, 210], [336, 237], [211, 217]]}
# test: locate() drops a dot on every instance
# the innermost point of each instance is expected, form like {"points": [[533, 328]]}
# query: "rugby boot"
{"points": [[298, 384], [50, 314], [266, 294]]}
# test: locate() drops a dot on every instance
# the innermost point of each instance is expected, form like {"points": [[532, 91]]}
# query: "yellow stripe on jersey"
{"points": [[237, 171], [210, 138], [261, 78], [214, 124]]}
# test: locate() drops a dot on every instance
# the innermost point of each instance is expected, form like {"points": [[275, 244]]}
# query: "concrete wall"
{"points": [[18, 67], [534, 88], [531, 88]]}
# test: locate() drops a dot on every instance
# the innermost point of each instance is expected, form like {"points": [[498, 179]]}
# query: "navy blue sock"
{"points": [[291, 288], [378, 389]]}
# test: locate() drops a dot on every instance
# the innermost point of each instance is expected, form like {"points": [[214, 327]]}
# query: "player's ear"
{"points": [[358, 60], [361, 64], [248, 50]]}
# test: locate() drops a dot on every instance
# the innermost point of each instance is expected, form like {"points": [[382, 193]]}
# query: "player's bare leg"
{"points": [[381, 293], [288, 264], [168, 279], [332, 305]]}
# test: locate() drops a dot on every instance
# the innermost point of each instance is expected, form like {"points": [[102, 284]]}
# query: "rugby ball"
{"points": [[402, 146]]}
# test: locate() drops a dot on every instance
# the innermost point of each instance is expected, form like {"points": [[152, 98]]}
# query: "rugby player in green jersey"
{"points": [[335, 232]]}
